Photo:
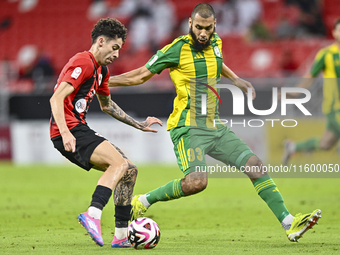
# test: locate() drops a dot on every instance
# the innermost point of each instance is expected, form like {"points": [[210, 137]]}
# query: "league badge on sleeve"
{"points": [[76, 72]]}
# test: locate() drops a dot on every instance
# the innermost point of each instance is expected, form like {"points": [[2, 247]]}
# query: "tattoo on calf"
{"points": [[124, 188]]}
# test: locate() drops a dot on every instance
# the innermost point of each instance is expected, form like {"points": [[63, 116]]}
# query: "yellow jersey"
{"points": [[328, 61], [194, 73]]}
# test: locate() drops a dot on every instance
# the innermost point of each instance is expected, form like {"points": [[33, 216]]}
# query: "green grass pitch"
{"points": [[39, 205]]}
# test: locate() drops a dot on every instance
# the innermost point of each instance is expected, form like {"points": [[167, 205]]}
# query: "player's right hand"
{"points": [[69, 142], [146, 125], [244, 85]]}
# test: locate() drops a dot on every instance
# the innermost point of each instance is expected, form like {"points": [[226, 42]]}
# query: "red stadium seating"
{"points": [[61, 29], [271, 12]]}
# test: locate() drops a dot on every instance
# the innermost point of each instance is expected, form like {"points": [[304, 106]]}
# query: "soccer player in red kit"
{"points": [[83, 77]]}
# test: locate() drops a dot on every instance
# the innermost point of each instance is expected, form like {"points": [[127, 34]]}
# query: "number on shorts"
{"points": [[191, 154]]}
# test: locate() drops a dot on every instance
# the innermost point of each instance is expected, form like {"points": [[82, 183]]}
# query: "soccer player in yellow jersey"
{"points": [[195, 63], [328, 61]]}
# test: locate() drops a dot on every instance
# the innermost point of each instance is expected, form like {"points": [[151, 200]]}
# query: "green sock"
{"points": [[171, 190], [308, 145], [267, 190]]}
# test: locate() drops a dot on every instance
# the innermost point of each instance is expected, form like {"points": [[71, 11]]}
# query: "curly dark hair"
{"points": [[111, 28]]}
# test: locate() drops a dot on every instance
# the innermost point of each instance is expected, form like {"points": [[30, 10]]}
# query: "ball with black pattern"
{"points": [[143, 233]]}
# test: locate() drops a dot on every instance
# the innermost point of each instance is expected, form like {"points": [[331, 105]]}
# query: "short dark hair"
{"points": [[204, 10], [337, 22], [111, 28]]}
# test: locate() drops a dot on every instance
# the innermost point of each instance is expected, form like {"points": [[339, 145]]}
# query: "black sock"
{"points": [[123, 215], [101, 196]]}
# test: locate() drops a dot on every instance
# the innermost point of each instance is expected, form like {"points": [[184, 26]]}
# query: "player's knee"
{"points": [[124, 166], [121, 167], [254, 161], [200, 185], [196, 185], [325, 146], [254, 168], [133, 170], [131, 174]]}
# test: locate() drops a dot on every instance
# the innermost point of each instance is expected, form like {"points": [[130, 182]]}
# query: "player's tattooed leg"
{"points": [[124, 189]]}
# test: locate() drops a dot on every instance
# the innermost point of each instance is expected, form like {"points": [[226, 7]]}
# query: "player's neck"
{"points": [[337, 44], [95, 52]]}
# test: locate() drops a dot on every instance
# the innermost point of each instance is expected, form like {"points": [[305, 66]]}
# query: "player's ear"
{"points": [[190, 22], [101, 41]]}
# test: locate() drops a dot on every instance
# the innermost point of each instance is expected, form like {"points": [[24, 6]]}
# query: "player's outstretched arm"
{"points": [[146, 124], [57, 107], [111, 108], [134, 77], [238, 82]]}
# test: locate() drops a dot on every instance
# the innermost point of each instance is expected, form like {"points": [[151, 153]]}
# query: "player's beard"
{"points": [[197, 45]]}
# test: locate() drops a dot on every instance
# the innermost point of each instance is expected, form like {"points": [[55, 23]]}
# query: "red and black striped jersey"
{"points": [[87, 78]]}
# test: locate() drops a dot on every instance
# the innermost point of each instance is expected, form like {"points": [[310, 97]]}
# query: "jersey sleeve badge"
{"points": [[217, 51], [76, 72]]}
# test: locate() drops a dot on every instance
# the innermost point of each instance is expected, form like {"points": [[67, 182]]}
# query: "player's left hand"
{"points": [[244, 85], [146, 125]]}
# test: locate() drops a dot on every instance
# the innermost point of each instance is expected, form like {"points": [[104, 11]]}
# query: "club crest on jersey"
{"points": [[217, 51], [76, 72], [80, 105], [100, 79]]}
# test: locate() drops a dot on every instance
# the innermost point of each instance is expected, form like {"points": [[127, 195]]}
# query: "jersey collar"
{"points": [[94, 60]]}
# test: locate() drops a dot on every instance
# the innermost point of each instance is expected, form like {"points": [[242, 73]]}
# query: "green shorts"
{"points": [[192, 144], [333, 123]]}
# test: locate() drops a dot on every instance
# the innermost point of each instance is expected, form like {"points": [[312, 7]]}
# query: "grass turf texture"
{"points": [[39, 205]]}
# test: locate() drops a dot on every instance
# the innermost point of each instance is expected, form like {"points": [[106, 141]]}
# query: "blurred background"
{"points": [[271, 43]]}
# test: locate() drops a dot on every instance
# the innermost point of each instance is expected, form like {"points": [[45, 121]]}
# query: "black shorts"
{"points": [[87, 141]]}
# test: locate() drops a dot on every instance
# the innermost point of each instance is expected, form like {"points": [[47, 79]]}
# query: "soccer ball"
{"points": [[143, 233]]}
